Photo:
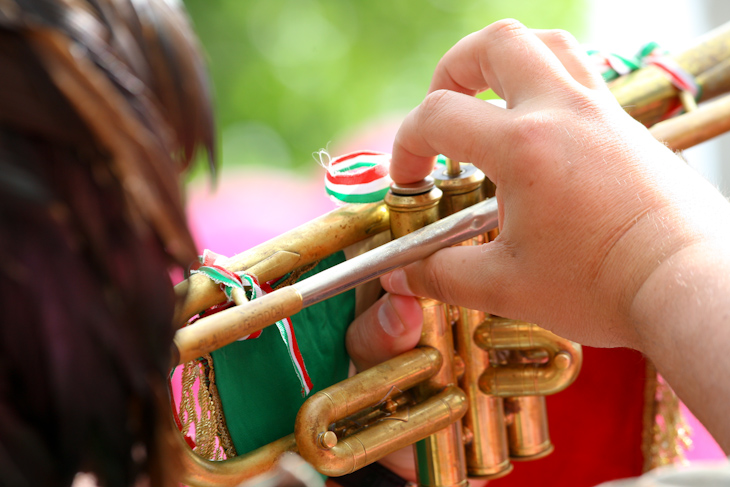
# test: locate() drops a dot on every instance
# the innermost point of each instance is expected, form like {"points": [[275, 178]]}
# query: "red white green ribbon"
{"points": [[212, 268], [612, 66], [358, 177]]}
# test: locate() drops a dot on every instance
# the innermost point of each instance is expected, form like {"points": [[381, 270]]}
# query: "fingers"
{"points": [[444, 123], [505, 56], [388, 328], [573, 56], [475, 277], [515, 62]]}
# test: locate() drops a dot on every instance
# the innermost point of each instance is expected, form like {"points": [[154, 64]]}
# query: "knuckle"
{"points": [[532, 130], [504, 29], [435, 278], [560, 39], [432, 110], [436, 101]]}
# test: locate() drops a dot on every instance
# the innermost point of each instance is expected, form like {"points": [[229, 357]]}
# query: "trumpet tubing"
{"points": [[439, 457], [486, 448], [648, 94], [471, 397], [321, 447], [301, 246], [529, 438], [564, 359]]}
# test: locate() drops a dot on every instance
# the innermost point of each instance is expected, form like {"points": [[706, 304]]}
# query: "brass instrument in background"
{"points": [[471, 400]]}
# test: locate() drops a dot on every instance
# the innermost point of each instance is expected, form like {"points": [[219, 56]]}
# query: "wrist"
{"points": [[679, 302], [683, 217]]}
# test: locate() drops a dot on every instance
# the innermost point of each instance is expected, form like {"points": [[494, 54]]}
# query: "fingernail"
{"points": [[389, 320], [398, 283]]}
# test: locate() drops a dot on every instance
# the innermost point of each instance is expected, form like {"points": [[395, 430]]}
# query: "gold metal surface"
{"points": [[303, 245], [440, 456], [648, 94], [529, 438], [388, 434], [213, 332], [199, 472], [411, 212], [461, 188], [485, 443], [688, 101], [487, 454], [453, 168], [564, 359], [693, 128]]}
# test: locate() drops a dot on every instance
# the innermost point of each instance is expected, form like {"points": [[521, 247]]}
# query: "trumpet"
{"points": [[470, 396]]}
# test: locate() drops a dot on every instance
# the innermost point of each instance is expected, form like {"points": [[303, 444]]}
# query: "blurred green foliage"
{"points": [[291, 75]]}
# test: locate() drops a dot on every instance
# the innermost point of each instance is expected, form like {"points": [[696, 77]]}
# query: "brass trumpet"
{"points": [[490, 372]]}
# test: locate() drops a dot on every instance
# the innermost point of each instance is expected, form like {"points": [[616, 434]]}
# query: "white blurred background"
{"points": [[623, 26]]}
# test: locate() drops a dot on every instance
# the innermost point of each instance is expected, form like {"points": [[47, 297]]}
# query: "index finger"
{"points": [[505, 56], [450, 123]]}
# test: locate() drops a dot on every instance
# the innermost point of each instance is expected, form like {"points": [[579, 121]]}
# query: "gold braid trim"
{"points": [[666, 435], [212, 438], [224, 436]]}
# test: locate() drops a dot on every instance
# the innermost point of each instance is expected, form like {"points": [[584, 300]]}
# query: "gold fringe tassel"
{"points": [[666, 436]]}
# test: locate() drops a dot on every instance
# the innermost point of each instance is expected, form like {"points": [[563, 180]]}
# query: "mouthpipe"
{"points": [[216, 331], [468, 223]]}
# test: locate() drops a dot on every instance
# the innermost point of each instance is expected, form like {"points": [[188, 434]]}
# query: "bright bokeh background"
{"points": [[292, 76]]}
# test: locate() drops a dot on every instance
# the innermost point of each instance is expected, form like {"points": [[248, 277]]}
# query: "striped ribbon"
{"points": [[212, 268], [358, 177], [612, 66]]}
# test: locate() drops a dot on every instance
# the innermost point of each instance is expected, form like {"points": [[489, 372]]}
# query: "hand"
{"points": [[590, 204]]}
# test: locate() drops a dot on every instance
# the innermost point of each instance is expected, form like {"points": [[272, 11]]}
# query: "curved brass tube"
{"points": [[647, 94], [564, 359], [199, 472], [332, 456], [387, 436], [303, 245]]}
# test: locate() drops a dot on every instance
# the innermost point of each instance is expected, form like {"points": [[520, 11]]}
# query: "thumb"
{"points": [[469, 276], [388, 328]]}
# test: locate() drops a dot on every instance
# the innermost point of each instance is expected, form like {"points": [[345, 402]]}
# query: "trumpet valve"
{"points": [[528, 434]]}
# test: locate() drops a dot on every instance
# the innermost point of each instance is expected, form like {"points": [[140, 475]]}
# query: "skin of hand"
{"points": [[606, 237], [590, 205]]}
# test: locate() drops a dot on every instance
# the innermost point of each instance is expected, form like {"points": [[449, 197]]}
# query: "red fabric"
{"points": [[596, 425], [359, 176]]}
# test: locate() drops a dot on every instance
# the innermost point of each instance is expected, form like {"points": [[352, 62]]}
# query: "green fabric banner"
{"points": [[259, 391]]}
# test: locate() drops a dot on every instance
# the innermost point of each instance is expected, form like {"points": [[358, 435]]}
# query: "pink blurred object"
{"points": [[251, 206], [704, 446]]}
